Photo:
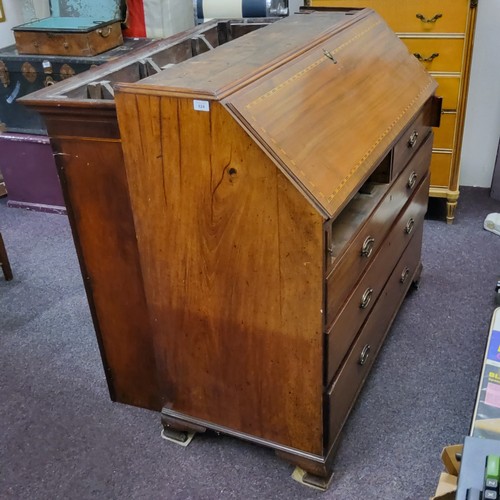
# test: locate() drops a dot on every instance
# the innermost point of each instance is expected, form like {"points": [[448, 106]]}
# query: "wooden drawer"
{"points": [[365, 243], [445, 16], [449, 86], [343, 392], [362, 299], [445, 133], [409, 142], [437, 54], [441, 168]]}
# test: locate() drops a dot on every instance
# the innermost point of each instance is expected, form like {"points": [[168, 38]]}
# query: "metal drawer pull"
{"points": [[106, 33], [412, 180], [427, 20], [365, 299], [405, 274], [363, 357], [367, 248], [410, 225], [431, 58], [413, 139]]}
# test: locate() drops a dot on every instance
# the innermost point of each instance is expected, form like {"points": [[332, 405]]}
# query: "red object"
{"points": [[135, 22]]}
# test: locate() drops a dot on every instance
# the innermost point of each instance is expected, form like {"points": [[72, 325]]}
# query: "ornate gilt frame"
{"points": [[2, 13]]}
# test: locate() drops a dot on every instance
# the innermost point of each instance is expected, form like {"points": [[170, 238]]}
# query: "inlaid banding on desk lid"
{"points": [[308, 115]]}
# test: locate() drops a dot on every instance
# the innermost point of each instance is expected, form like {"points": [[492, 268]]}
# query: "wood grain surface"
{"points": [[232, 262], [96, 195]]}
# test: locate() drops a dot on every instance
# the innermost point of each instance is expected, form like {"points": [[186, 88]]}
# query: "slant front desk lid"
{"points": [[310, 112]]}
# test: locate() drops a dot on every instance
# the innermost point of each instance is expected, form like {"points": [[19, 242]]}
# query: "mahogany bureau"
{"points": [[278, 202], [440, 35]]}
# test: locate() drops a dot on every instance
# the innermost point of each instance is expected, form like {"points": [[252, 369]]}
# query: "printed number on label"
{"points": [[201, 105]]}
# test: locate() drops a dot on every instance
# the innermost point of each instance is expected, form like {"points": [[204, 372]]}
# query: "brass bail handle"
{"points": [[430, 58], [365, 299], [412, 180], [106, 33], [413, 139], [410, 225], [363, 357], [367, 248], [405, 274], [429, 20]]}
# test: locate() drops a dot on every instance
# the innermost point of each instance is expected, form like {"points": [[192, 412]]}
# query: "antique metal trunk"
{"points": [[23, 74], [26, 160]]}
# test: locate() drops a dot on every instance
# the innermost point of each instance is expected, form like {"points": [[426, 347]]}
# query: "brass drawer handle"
{"points": [[367, 248], [413, 139], [427, 20], [412, 180], [106, 33], [404, 274], [363, 357], [366, 298], [430, 58], [410, 225]]}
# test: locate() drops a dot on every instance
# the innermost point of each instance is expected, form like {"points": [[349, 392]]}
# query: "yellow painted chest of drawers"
{"points": [[440, 34]]}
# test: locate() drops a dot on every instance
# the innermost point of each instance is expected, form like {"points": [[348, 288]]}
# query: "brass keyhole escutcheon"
{"points": [[329, 55]]}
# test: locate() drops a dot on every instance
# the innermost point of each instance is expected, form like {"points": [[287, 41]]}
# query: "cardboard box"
{"points": [[448, 479]]}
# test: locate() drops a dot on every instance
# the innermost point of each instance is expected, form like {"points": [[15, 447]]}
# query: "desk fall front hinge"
{"points": [[473, 4]]}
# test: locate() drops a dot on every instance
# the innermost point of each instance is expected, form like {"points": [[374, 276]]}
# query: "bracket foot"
{"points": [[181, 438], [311, 480]]}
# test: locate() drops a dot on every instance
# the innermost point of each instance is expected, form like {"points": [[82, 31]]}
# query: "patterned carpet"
{"points": [[62, 438]]}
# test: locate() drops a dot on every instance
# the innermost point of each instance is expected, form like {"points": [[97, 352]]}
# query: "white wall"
{"points": [[482, 124], [18, 12], [13, 11]]}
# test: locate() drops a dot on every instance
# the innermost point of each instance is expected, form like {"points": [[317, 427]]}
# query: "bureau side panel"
{"points": [[96, 194], [232, 262]]}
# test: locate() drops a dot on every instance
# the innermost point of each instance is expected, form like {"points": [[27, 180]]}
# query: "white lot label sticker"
{"points": [[201, 105]]}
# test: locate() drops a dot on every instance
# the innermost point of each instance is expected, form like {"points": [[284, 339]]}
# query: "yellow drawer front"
{"points": [[444, 16], [448, 89], [444, 135], [437, 54], [440, 169]]}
